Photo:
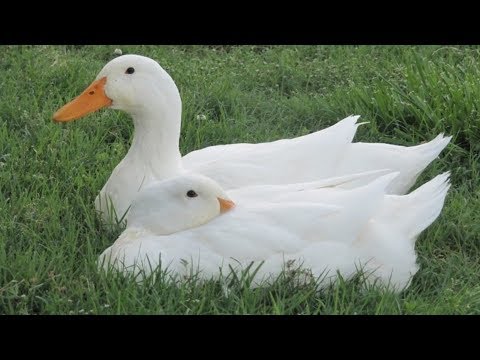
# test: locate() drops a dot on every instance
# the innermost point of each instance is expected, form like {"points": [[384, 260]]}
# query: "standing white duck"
{"points": [[196, 226], [141, 87]]}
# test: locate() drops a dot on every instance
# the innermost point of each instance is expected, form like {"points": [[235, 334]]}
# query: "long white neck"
{"points": [[155, 145]]}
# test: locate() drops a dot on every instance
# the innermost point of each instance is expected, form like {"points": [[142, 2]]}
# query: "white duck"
{"points": [[141, 87], [197, 226]]}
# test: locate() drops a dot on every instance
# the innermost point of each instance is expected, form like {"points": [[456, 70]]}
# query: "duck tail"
{"points": [[429, 151], [345, 129], [410, 161], [422, 156], [414, 212]]}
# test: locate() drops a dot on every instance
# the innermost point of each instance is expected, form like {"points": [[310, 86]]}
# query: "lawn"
{"points": [[50, 173]]}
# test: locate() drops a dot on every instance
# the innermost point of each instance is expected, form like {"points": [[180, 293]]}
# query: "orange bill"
{"points": [[225, 205], [92, 99]]}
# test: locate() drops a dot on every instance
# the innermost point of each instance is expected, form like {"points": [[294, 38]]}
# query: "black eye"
{"points": [[130, 70], [191, 194]]}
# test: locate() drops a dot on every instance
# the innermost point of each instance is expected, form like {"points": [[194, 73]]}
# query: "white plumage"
{"points": [[319, 199], [142, 88], [325, 226]]}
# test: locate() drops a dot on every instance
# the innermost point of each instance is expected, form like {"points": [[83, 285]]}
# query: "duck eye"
{"points": [[130, 70], [191, 194]]}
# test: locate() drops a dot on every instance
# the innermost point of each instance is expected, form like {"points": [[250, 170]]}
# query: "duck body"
{"points": [[321, 226], [232, 166]]}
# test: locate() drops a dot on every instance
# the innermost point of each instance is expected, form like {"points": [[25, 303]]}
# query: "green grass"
{"points": [[50, 173]]}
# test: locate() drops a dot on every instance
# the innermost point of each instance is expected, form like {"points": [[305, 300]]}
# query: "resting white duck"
{"points": [[141, 87], [197, 226]]}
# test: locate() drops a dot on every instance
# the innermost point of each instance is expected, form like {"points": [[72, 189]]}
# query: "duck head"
{"points": [[178, 204], [132, 83]]}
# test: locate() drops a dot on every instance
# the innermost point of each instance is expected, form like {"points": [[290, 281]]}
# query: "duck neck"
{"points": [[155, 144]]}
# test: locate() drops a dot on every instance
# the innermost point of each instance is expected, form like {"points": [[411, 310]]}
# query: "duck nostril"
{"points": [[91, 92]]}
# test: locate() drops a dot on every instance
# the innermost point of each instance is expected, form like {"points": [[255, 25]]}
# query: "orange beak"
{"points": [[92, 99], [225, 205]]}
